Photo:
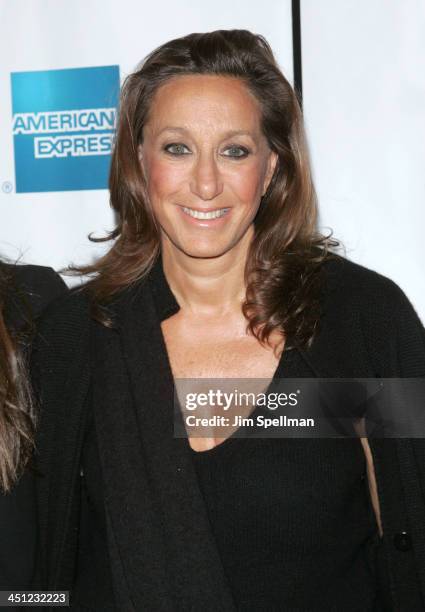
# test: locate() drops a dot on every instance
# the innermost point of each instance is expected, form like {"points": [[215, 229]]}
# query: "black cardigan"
{"points": [[162, 553], [31, 289]]}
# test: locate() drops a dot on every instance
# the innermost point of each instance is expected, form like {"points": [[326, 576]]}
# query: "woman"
{"points": [[217, 271], [24, 293]]}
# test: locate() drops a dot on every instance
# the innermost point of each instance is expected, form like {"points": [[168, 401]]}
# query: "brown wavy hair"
{"points": [[286, 255], [17, 415]]}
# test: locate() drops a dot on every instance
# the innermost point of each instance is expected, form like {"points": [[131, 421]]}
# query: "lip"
{"points": [[205, 210], [205, 223]]}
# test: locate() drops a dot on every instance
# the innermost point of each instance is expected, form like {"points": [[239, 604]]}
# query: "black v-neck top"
{"points": [[291, 518]]}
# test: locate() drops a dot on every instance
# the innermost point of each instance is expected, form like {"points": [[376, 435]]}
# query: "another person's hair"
{"points": [[17, 415], [282, 270]]}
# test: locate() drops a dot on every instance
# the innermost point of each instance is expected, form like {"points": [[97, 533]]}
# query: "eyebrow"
{"points": [[228, 134]]}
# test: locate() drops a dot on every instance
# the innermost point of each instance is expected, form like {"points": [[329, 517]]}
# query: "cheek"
{"points": [[247, 183], [163, 180]]}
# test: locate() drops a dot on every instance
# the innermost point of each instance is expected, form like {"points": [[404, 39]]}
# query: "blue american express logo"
{"points": [[63, 127]]}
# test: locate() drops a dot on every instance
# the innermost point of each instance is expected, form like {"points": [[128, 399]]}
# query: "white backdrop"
{"points": [[364, 101], [364, 104]]}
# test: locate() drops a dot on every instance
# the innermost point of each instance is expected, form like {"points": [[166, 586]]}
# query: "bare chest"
{"points": [[199, 351]]}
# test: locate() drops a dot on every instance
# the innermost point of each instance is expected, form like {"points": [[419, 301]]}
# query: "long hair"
{"points": [[17, 416], [282, 269]]}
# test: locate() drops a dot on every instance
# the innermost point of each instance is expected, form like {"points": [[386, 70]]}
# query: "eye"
{"points": [[176, 148], [237, 152]]}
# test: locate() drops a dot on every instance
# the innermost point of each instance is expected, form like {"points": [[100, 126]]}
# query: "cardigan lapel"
{"points": [[156, 509], [57, 361]]}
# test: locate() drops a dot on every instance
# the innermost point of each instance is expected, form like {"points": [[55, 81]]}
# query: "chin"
{"points": [[207, 248], [202, 244], [203, 251]]}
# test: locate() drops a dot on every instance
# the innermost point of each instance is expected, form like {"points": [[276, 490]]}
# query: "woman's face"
{"points": [[206, 163]]}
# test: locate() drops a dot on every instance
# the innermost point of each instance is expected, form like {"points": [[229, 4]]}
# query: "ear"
{"points": [[271, 165]]}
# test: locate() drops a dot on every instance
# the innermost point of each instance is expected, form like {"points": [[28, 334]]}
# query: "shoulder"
{"points": [[64, 320], [29, 289], [76, 312], [356, 287], [40, 285], [374, 306], [351, 279]]}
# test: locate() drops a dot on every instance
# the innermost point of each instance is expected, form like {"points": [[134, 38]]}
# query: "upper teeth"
{"points": [[213, 214]]}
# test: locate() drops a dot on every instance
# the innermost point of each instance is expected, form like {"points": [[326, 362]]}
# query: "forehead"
{"points": [[205, 100]]}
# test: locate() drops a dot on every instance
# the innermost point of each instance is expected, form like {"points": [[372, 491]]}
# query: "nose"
{"points": [[206, 181]]}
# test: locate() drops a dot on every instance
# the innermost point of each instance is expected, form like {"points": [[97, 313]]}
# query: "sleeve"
{"points": [[410, 339], [411, 452]]}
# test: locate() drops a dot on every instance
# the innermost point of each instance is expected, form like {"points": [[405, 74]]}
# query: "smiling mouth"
{"points": [[212, 214]]}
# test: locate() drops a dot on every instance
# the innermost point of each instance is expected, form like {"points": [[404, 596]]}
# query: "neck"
{"points": [[210, 286]]}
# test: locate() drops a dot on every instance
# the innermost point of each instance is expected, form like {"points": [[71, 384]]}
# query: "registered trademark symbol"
{"points": [[7, 187]]}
